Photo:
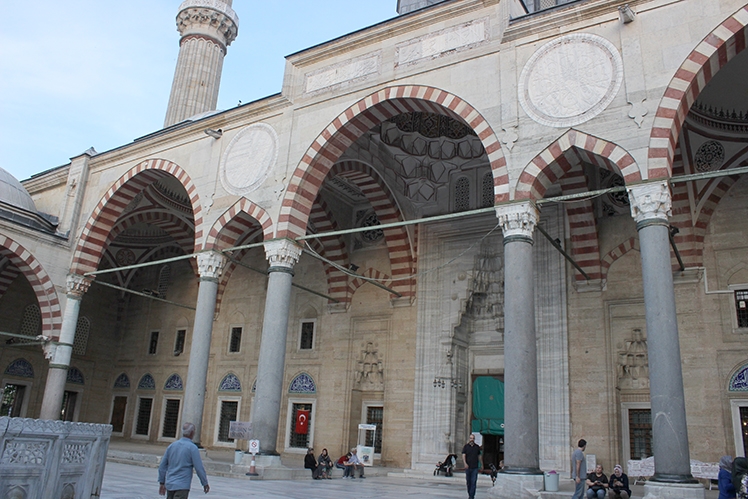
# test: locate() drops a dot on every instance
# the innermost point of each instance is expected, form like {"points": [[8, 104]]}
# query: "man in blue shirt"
{"points": [[175, 470]]}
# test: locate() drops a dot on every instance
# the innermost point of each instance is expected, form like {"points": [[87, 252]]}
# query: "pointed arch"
{"points": [[235, 221], [41, 283], [559, 157], [709, 56], [616, 253], [96, 232], [357, 120], [333, 248]]}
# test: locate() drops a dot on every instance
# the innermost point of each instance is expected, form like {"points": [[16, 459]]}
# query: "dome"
{"points": [[13, 193]]}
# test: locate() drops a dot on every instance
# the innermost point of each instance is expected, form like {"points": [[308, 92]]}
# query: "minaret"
{"points": [[207, 28]]}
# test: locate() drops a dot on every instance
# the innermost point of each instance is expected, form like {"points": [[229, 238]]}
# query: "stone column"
{"points": [[210, 265], [207, 27], [521, 447], [59, 353], [282, 255], [650, 207]]}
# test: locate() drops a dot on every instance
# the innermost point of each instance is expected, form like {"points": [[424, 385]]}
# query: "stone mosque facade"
{"points": [[544, 201]]}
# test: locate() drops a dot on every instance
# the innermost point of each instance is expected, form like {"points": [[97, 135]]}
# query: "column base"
{"points": [[660, 490], [510, 486]]}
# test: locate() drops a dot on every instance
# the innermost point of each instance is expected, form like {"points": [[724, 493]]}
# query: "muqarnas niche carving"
{"points": [[370, 372], [633, 363]]}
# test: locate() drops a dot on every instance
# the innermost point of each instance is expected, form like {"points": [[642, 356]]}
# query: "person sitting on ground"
{"points": [[310, 463], [324, 465], [739, 476], [340, 463], [597, 483], [619, 484], [354, 463]]}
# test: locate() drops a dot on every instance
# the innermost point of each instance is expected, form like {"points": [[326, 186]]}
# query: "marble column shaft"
{"points": [[210, 266], [282, 255], [60, 353], [650, 206], [521, 454]]}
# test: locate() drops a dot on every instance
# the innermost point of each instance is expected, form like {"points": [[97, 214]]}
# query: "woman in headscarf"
{"points": [[724, 478], [619, 483], [739, 471]]}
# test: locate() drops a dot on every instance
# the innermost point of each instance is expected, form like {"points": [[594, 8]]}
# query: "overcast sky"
{"points": [[97, 73]]}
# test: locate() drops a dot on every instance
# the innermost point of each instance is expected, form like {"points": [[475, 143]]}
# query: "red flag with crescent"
{"points": [[302, 422]]}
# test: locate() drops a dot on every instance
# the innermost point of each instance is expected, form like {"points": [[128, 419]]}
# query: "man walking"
{"points": [[579, 469], [175, 470], [471, 458]]}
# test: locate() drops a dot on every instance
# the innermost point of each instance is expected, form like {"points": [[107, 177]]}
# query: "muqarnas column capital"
{"points": [[282, 253], [210, 265], [518, 220], [76, 285], [213, 19], [650, 202]]}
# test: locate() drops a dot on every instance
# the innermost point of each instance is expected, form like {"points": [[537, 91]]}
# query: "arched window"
{"points": [[21, 368], [462, 194], [81, 336], [122, 381], [487, 191], [164, 276], [75, 376], [31, 323], [739, 380], [147, 382]]}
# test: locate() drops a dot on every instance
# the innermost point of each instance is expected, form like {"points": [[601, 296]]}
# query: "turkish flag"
{"points": [[302, 422]]}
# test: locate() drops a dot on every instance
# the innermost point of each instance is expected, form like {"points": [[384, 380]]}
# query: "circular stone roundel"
{"points": [[248, 158], [570, 80]]}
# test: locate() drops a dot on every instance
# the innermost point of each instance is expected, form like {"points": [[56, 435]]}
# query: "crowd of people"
{"points": [[321, 467]]}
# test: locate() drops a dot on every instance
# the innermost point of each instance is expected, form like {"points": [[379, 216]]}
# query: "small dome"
{"points": [[13, 193]]}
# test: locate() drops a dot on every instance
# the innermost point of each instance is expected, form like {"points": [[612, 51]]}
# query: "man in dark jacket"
{"points": [[309, 462], [471, 458]]}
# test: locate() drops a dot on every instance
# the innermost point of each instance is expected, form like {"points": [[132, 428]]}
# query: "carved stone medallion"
{"points": [[249, 158], [570, 80]]}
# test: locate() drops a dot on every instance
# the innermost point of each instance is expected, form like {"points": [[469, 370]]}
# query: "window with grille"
{"points": [[153, 343], [744, 426], [375, 416], [31, 323], [306, 340], [741, 306], [179, 343], [171, 419], [235, 342], [144, 416], [229, 410], [299, 440], [462, 194], [12, 400], [640, 433], [164, 275], [81, 336], [67, 413], [487, 190]]}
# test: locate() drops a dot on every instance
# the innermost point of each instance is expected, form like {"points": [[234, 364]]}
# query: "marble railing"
{"points": [[42, 458]]}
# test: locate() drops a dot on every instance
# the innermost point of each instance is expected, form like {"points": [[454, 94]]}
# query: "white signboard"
{"points": [[365, 454], [241, 430], [254, 446]]}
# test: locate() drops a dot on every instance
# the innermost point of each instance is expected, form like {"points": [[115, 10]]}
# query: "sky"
{"points": [[97, 73]]}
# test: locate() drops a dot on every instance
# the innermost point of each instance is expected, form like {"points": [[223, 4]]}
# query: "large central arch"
{"points": [[357, 120]]}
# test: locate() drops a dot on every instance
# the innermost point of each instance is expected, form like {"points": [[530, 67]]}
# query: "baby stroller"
{"points": [[446, 466]]}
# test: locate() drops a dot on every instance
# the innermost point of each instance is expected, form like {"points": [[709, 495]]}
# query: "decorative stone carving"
{"points": [[75, 376], [302, 383], [650, 201], [739, 381], [570, 80], [21, 368], [282, 253], [77, 285], [122, 381], [518, 219], [509, 137], [199, 15], [75, 453], [174, 383], [147, 382], [230, 383], [709, 156], [210, 265], [638, 111], [633, 363], [370, 371], [342, 73], [248, 159], [24, 452]]}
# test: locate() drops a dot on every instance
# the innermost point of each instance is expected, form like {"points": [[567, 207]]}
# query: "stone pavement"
{"points": [[124, 481]]}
